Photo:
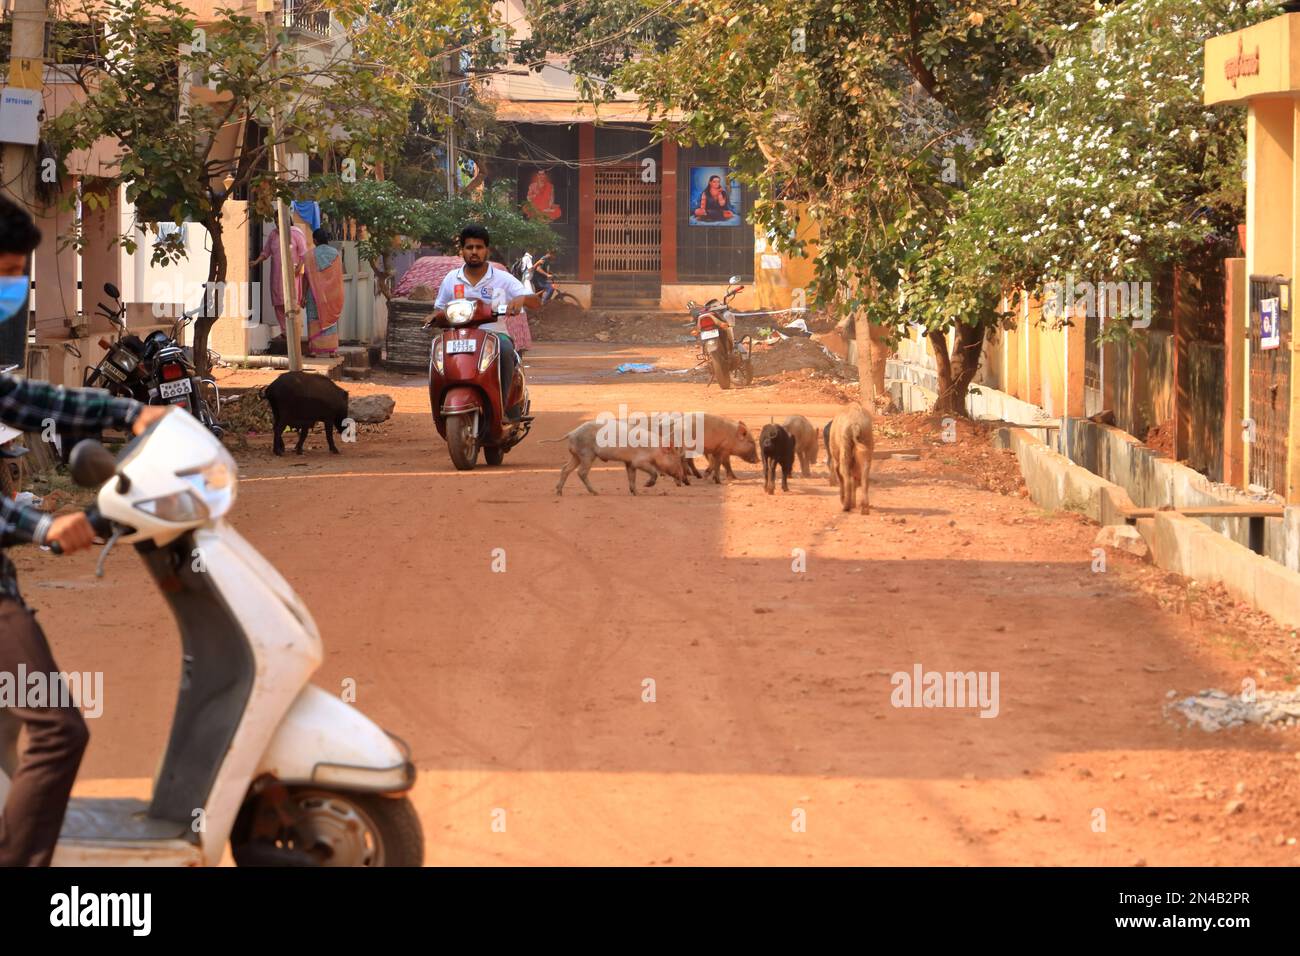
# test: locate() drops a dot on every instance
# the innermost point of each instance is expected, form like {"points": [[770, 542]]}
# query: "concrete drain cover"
{"points": [[1213, 710]]}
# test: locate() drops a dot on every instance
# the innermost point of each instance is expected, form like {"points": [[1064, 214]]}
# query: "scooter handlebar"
{"points": [[101, 525]]}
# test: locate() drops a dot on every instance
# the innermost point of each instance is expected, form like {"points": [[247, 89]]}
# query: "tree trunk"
{"points": [[872, 355], [211, 302], [958, 371], [383, 277]]}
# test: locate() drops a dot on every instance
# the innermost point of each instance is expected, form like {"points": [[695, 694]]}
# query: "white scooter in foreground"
{"points": [[286, 773]]}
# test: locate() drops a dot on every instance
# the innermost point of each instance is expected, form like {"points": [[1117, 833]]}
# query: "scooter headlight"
{"points": [[460, 311], [437, 354], [184, 507], [214, 484], [491, 345]]}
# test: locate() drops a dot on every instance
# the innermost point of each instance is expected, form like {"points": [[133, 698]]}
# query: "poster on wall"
{"points": [[715, 197], [1270, 333], [540, 191]]}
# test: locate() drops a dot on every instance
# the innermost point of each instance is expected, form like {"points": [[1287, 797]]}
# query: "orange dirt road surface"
{"points": [[771, 738]]}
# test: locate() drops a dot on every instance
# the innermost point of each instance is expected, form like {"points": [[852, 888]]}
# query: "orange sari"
{"points": [[325, 297]]}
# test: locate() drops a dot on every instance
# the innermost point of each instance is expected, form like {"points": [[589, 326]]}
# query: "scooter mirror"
{"points": [[112, 290], [734, 280], [91, 464]]}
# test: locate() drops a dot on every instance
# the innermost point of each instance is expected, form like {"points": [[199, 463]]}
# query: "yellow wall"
{"points": [[776, 288]]}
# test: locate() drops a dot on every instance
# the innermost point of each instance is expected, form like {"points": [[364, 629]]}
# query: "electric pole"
{"points": [[26, 71], [282, 221]]}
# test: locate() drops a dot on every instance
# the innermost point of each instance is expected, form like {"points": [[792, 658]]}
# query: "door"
{"points": [[1270, 382], [628, 221]]}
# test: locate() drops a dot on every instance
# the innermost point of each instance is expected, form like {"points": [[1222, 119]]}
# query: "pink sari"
{"points": [[324, 300]]}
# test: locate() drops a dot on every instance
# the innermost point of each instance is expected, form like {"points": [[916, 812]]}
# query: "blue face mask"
{"points": [[13, 293]]}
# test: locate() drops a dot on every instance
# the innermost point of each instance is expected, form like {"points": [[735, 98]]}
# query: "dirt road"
{"points": [[524, 691]]}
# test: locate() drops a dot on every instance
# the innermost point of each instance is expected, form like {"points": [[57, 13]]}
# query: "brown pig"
{"points": [[723, 438], [638, 453], [850, 449], [805, 442]]}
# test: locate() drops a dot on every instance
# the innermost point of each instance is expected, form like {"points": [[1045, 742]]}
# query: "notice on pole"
{"points": [[1270, 333], [19, 112]]}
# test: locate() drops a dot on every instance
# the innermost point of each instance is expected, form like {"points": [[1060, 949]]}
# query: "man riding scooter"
{"points": [[476, 279], [56, 736]]}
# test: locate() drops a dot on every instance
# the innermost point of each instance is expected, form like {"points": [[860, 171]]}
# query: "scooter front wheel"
{"points": [[330, 828], [462, 442]]}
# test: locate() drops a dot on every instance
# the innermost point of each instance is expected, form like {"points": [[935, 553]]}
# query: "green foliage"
{"points": [[1110, 167], [394, 220]]}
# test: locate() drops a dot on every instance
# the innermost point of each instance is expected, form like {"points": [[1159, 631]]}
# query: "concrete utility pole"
{"points": [[26, 71], [451, 124], [282, 222]]}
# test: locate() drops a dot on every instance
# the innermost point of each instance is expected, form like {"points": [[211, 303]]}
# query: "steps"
{"points": [[626, 291]]}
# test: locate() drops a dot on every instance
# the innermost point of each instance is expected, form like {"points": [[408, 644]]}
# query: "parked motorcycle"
{"points": [[465, 393], [258, 758], [156, 370], [712, 324]]}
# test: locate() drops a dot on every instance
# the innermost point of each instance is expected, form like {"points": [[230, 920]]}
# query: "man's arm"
{"points": [[519, 299], [29, 405]]}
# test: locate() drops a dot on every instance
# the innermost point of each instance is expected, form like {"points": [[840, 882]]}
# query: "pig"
{"points": [[778, 449], [805, 442], [830, 468], [638, 453], [300, 400], [723, 438], [851, 444]]}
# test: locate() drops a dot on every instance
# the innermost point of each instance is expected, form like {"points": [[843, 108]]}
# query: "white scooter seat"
{"points": [[123, 819]]}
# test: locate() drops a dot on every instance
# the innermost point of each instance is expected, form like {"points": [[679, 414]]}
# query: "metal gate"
{"points": [[1093, 374], [628, 221], [1270, 386]]}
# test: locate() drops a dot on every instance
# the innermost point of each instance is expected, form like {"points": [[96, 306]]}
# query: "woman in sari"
{"points": [[324, 299]]}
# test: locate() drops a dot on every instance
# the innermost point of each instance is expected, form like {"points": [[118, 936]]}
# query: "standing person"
{"points": [[545, 281], [55, 736], [298, 254], [325, 296], [476, 279], [526, 272]]}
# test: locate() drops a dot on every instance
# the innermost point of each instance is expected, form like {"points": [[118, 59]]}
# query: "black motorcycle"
{"points": [[155, 370]]}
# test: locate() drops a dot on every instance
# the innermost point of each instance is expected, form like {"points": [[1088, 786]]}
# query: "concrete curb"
{"points": [[1193, 549], [1058, 484], [1178, 543]]}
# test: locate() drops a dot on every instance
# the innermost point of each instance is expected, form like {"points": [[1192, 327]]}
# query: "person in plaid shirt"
{"points": [[56, 736]]}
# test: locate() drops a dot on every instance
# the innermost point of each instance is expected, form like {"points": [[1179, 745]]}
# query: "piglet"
{"points": [[301, 399]]}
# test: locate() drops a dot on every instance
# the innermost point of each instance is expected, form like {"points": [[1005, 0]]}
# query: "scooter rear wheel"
{"points": [[720, 373], [462, 442]]}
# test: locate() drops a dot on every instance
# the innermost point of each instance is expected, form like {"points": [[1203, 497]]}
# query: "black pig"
{"points": [[777, 446], [300, 400]]}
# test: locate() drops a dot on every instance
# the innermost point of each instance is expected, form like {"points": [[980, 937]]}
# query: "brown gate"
{"points": [[628, 226], [1270, 387]]}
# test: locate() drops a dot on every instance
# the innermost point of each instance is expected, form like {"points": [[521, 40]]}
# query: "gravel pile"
{"points": [[1213, 710]]}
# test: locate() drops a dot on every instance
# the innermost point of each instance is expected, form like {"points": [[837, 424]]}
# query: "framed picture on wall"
{"points": [[542, 192], [715, 197]]}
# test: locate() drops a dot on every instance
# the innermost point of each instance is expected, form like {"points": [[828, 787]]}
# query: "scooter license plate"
{"points": [[175, 389], [710, 334], [461, 345]]}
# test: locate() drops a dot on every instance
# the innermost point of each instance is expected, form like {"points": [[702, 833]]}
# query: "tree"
{"points": [[871, 108], [346, 100], [1110, 170], [394, 220]]}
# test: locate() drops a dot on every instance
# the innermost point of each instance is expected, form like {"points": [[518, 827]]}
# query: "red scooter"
{"points": [[465, 387]]}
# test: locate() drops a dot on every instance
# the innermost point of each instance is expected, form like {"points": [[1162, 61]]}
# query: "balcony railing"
{"points": [[307, 16]]}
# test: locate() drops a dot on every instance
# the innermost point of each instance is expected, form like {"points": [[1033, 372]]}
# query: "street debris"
{"points": [[1214, 710], [1122, 537], [371, 409]]}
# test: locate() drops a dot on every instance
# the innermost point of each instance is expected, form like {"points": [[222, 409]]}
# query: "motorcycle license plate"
{"points": [[175, 389], [461, 345], [710, 334], [113, 372]]}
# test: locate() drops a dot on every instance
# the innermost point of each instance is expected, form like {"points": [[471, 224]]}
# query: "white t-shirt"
{"points": [[496, 285]]}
